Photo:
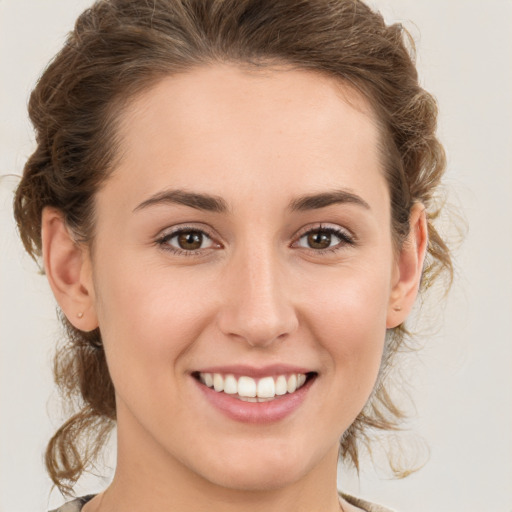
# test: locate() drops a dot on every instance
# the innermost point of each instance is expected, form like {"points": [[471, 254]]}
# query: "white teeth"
{"points": [[208, 379], [246, 386], [248, 399], [253, 390], [292, 383], [281, 385], [266, 388], [218, 382], [230, 385], [254, 399]]}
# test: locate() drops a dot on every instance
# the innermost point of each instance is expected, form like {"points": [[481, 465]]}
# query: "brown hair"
{"points": [[121, 47]]}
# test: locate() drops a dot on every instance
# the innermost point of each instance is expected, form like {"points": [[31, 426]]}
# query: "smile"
{"points": [[249, 389]]}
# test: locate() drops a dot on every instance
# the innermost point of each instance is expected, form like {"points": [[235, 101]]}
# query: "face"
{"points": [[243, 243]]}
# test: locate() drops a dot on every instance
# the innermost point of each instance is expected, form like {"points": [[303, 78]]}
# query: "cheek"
{"points": [[148, 317], [345, 313], [348, 318]]}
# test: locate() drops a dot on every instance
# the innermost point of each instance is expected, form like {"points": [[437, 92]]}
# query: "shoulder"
{"points": [[74, 505], [364, 505]]}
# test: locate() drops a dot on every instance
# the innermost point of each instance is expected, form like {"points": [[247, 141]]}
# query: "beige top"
{"points": [[365, 505], [77, 504]]}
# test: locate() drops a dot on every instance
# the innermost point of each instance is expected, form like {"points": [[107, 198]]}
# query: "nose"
{"points": [[257, 307]]}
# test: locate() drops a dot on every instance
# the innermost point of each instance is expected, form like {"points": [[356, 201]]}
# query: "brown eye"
{"points": [[190, 240], [319, 240], [325, 238], [187, 240]]}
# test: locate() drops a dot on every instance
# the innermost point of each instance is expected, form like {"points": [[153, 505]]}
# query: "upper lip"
{"points": [[255, 372]]}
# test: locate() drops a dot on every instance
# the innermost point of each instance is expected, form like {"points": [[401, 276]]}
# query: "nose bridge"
{"points": [[258, 306]]}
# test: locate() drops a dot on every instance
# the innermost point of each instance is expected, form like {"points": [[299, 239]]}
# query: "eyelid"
{"points": [[346, 235], [327, 227], [171, 232], [178, 228]]}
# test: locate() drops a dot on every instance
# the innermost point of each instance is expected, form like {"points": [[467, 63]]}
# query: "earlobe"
{"points": [[409, 268], [67, 267]]}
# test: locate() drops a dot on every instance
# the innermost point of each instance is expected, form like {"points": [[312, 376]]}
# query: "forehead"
{"points": [[224, 125]]}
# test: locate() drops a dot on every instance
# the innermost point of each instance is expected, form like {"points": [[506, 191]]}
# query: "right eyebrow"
{"points": [[324, 199], [192, 199]]}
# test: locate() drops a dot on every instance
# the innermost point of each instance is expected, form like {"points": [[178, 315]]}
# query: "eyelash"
{"points": [[163, 241], [344, 237]]}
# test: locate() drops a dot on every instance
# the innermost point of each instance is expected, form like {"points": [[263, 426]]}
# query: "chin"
{"points": [[251, 481], [258, 471]]}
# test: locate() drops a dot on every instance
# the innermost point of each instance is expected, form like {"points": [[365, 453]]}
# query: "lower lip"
{"points": [[256, 412]]}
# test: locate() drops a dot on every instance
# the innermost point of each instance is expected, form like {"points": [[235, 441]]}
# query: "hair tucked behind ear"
{"points": [[121, 47]]}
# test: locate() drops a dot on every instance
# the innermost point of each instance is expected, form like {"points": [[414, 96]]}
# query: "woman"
{"points": [[232, 201]]}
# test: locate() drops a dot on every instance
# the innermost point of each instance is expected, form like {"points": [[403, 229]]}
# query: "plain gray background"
{"points": [[461, 381]]}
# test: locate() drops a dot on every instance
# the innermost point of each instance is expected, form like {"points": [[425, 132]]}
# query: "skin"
{"points": [[255, 293]]}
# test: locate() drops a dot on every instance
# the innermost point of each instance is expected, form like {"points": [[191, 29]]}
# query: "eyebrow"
{"points": [[216, 204], [323, 199], [192, 199]]}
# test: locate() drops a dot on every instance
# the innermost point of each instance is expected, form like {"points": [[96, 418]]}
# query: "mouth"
{"points": [[256, 390]]}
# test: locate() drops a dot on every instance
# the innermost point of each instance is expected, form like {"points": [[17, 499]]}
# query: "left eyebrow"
{"points": [[191, 199], [323, 199]]}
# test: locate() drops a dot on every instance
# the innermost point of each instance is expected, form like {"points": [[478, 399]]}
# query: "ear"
{"points": [[68, 269], [409, 268]]}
